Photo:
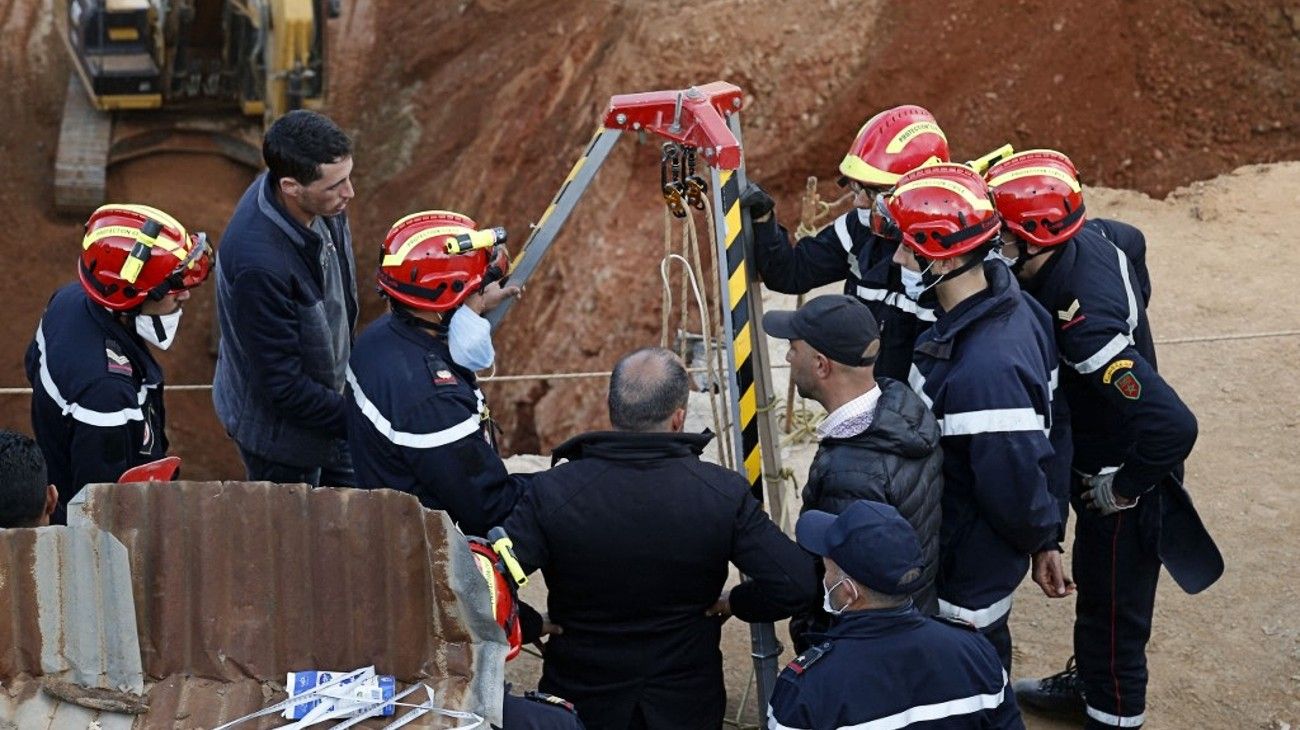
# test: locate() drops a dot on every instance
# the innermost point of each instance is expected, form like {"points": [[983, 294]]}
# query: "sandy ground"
{"points": [[1230, 657]]}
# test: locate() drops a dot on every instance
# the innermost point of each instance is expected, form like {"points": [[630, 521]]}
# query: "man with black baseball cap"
{"points": [[879, 441], [884, 664]]}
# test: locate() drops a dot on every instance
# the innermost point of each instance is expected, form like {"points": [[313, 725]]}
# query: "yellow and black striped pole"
{"points": [[750, 382]]}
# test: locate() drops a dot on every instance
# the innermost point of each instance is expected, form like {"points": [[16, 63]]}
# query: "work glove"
{"points": [[1102, 497], [756, 200]]}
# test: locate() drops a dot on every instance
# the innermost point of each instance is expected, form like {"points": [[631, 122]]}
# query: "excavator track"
{"points": [[80, 170]]}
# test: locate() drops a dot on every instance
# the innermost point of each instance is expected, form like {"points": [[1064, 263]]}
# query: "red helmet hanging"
{"points": [[943, 210], [1038, 196], [131, 253], [436, 259], [502, 591], [892, 143]]}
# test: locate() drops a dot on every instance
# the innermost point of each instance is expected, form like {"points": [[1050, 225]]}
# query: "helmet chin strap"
{"points": [[1024, 258], [932, 280]]}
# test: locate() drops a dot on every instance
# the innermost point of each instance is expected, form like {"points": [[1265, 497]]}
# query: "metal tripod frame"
{"points": [[706, 118]]}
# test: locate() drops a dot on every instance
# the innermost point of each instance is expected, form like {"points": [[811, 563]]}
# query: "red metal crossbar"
{"points": [[696, 117]]}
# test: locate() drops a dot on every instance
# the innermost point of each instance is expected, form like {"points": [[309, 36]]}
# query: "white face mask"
{"points": [[826, 599], [470, 338], [996, 255], [864, 217], [159, 330], [911, 283]]}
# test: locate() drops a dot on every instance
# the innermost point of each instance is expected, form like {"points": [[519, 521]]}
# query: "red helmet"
{"points": [[423, 266], [131, 253], [1037, 193], [943, 210], [502, 591], [892, 143]]}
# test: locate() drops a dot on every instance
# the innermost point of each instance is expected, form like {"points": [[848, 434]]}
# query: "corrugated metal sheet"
{"points": [[67, 595], [237, 583]]}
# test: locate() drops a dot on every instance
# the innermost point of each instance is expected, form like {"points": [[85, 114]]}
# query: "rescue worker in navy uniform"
{"points": [[855, 248], [884, 664], [417, 421], [986, 370], [879, 440], [634, 535], [1131, 436], [97, 400]]}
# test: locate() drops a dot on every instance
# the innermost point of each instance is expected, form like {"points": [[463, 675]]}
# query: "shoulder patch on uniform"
{"points": [[1113, 368], [1070, 316], [440, 371], [117, 361], [549, 699], [1129, 386], [954, 621], [800, 664]]}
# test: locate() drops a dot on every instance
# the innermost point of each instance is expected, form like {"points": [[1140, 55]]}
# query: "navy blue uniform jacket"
{"points": [[1123, 412], [894, 668], [986, 370], [97, 400], [418, 423]]}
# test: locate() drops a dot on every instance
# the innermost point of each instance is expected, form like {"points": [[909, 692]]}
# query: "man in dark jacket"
{"points": [[884, 665], [986, 370], [287, 307], [634, 535], [417, 420], [878, 442], [1131, 435], [97, 401], [852, 249]]}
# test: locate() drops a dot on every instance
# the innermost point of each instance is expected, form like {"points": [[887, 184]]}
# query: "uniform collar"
{"points": [[1000, 297], [118, 331], [1058, 266], [632, 446], [876, 622]]}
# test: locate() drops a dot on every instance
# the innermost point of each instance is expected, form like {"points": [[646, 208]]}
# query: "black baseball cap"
{"points": [[836, 325], [870, 542]]}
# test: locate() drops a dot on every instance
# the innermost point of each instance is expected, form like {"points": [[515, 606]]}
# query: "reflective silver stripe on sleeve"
{"points": [[922, 713], [445, 436], [846, 241], [979, 618], [1118, 342], [896, 300], [102, 419], [993, 420], [917, 381]]}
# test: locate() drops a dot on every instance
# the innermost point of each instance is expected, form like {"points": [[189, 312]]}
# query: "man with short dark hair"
{"points": [[287, 307], [27, 499], [634, 535], [884, 664], [879, 440]]}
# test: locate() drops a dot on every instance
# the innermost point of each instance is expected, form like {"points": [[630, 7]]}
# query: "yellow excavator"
{"points": [[200, 76]]}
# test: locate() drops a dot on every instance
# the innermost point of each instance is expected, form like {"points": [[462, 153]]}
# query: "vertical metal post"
{"points": [[743, 385], [556, 214]]}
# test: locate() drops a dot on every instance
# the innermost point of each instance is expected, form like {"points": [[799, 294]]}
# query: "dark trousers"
{"points": [[1115, 568], [336, 474], [999, 635]]}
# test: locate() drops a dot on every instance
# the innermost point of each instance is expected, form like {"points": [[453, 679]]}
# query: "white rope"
{"points": [[775, 366]]}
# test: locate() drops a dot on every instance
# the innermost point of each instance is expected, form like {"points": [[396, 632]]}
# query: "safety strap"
{"points": [[953, 239], [1066, 222]]}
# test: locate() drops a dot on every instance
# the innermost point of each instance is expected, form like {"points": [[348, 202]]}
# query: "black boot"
{"points": [[1060, 694]]}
